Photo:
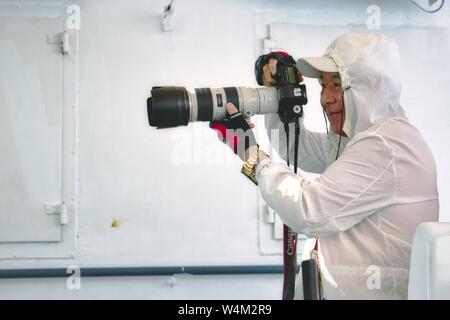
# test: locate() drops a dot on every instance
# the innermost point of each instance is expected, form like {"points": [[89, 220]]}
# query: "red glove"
{"points": [[235, 132]]}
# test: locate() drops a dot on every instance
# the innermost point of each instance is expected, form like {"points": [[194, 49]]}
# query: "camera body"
{"points": [[292, 98]]}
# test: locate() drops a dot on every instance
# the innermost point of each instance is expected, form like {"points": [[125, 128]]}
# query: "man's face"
{"points": [[331, 100]]}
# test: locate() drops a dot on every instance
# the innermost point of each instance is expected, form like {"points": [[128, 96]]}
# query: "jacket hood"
{"points": [[368, 64]]}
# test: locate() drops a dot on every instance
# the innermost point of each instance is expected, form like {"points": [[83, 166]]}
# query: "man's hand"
{"points": [[231, 109], [236, 132], [269, 71], [266, 68]]}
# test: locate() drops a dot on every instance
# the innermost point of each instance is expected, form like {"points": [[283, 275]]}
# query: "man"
{"points": [[378, 176]]}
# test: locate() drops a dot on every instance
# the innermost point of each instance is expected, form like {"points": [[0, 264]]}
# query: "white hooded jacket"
{"points": [[366, 205]]}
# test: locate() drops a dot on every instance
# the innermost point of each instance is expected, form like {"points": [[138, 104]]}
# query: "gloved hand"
{"points": [[236, 132], [270, 69]]}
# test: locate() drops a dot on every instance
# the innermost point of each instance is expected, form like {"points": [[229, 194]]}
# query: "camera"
{"points": [[171, 106], [176, 106]]}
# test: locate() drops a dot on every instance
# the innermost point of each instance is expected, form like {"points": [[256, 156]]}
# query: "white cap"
{"points": [[312, 67]]}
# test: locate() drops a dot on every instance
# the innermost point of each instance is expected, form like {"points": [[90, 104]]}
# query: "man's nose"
{"points": [[328, 99]]}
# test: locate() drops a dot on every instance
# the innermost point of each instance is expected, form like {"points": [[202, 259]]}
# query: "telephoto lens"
{"points": [[177, 106]]}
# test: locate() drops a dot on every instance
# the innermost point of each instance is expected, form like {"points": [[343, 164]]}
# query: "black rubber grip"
{"points": [[204, 104], [232, 96]]}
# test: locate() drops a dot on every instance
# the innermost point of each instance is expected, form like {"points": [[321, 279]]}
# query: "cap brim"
{"points": [[312, 67]]}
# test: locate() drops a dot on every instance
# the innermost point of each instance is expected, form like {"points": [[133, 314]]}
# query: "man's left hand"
{"points": [[236, 132]]}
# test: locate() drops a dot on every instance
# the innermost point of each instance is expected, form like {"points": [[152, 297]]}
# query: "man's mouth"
{"points": [[334, 114]]}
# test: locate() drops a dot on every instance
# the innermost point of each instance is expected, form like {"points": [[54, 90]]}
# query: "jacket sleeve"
{"points": [[358, 184], [315, 149]]}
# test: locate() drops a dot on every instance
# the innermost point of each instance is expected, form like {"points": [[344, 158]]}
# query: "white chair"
{"points": [[429, 276]]}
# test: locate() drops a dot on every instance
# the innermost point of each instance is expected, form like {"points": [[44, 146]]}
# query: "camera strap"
{"points": [[312, 284], [289, 236]]}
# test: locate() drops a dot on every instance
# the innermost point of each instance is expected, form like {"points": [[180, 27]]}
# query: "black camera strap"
{"points": [[289, 236]]}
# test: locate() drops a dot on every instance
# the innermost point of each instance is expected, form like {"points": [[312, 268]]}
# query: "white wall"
{"points": [[189, 214]]}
